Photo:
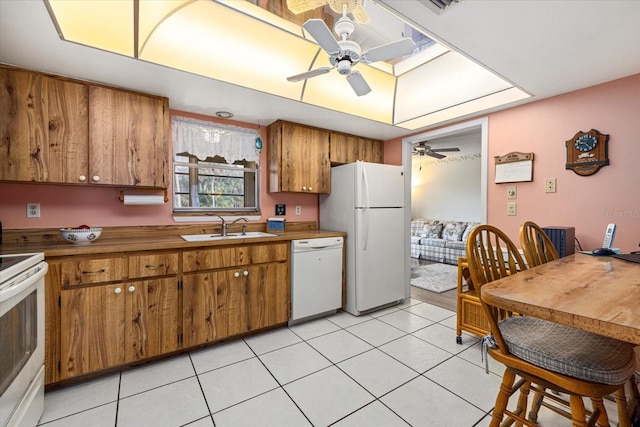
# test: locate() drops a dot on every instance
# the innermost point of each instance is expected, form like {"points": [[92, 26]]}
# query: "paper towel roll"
{"points": [[143, 199]]}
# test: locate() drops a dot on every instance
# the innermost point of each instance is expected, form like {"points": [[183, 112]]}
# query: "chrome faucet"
{"points": [[244, 226], [224, 226]]}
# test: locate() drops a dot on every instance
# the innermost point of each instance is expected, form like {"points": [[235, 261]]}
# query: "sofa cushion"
{"points": [[437, 243], [470, 227], [453, 230], [416, 226], [455, 244], [415, 240], [432, 231]]}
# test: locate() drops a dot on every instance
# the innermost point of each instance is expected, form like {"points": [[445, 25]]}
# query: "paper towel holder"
{"points": [[143, 192]]}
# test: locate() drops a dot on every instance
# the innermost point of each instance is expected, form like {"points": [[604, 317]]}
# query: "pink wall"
{"points": [[70, 205], [588, 203]]}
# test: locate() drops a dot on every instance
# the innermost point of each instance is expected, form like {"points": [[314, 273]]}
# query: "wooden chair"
{"points": [[536, 245], [470, 315], [549, 355]]}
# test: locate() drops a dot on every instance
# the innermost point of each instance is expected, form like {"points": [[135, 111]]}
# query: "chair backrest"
{"points": [[491, 255], [536, 245]]}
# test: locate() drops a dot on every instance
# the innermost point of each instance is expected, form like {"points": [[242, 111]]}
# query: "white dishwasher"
{"points": [[316, 277]]}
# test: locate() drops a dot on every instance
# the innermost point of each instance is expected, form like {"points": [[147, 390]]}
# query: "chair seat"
{"points": [[568, 351]]}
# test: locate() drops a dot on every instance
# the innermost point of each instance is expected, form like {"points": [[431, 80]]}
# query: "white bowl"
{"points": [[80, 236]]}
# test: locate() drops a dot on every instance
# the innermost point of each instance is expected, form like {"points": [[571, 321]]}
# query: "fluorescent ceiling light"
{"points": [[242, 44]]}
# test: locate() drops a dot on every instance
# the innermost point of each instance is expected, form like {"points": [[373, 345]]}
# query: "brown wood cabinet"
{"points": [[235, 290], [44, 130], [106, 319], [59, 130], [349, 148], [298, 159]]}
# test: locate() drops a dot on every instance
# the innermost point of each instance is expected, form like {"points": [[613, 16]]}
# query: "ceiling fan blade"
{"points": [[445, 149], [436, 155], [390, 50], [322, 34], [309, 74], [358, 83]]}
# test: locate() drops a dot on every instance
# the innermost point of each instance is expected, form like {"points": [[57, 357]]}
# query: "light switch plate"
{"points": [[512, 192], [281, 209]]}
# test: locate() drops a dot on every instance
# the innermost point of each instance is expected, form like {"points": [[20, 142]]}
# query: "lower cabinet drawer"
{"points": [[153, 265], [85, 271]]}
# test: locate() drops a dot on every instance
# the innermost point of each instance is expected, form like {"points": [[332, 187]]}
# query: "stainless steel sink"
{"points": [[229, 236]]}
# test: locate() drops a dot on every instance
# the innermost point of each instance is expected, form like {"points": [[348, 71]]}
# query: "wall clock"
{"points": [[587, 152]]}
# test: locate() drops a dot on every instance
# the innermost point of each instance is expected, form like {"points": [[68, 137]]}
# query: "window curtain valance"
{"points": [[207, 139]]}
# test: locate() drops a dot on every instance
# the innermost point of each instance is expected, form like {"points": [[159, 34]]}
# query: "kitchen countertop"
{"points": [[151, 242]]}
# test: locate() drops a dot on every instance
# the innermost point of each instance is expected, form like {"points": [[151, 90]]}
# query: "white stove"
{"points": [[22, 339]]}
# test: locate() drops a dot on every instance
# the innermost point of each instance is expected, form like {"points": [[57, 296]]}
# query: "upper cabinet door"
{"points": [[128, 145], [43, 128], [305, 159]]}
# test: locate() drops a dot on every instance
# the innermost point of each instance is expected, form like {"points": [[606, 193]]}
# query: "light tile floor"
{"points": [[397, 367]]}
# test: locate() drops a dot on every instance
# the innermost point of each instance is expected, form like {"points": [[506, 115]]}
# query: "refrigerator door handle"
{"points": [[365, 211]]}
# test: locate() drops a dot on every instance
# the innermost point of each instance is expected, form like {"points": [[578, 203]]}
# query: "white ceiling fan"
{"points": [[422, 149], [344, 54]]}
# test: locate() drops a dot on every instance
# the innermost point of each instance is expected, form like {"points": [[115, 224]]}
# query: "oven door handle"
{"points": [[23, 285]]}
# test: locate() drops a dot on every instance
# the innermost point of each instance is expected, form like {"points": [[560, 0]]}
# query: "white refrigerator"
{"points": [[367, 202]]}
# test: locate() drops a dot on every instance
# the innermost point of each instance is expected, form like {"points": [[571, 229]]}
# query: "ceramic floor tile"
{"points": [[327, 396], [314, 328], [445, 338], [235, 383], [344, 319], [272, 409], [102, 416], [155, 375], [473, 354], [202, 422], [384, 311], [272, 340], [405, 321], [449, 322], [415, 353], [220, 355], [468, 381], [431, 312], [374, 414], [377, 372], [293, 362], [375, 332], [408, 303], [171, 405], [340, 345], [421, 402], [70, 400]]}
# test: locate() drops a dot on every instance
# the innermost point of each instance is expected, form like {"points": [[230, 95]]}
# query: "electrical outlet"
{"points": [[512, 192], [33, 210], [298, 210], [511, 209], [550, 185]]}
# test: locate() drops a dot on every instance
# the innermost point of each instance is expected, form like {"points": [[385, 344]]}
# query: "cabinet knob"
{"points": [[246, 273], [304, 188], [95, 178], [236, 274], [117, 290], [82, 178], [132, 288], [310, 189]]}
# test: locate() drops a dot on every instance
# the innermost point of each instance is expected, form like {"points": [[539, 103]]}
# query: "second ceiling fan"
{"points": [[344, 54], [422, 149]]}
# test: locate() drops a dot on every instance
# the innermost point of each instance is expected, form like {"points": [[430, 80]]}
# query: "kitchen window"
{"points": [[215, 167]]}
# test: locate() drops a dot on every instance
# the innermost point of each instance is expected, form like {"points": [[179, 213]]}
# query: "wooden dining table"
{"points": [[593, 293]]}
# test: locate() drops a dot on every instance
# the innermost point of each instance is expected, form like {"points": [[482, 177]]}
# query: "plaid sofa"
{"points": [[440, 241]]}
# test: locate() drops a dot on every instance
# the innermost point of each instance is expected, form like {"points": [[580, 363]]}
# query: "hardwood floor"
{"points": [[445, 300]]}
